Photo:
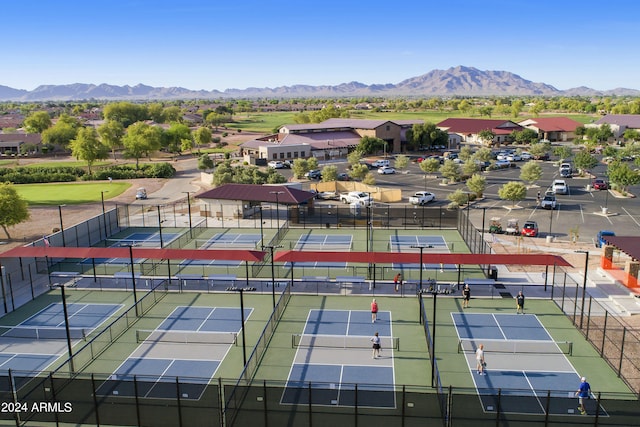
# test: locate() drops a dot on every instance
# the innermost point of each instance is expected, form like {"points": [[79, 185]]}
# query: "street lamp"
{"points": [[422, 248], [244, 341], [133, 280], [66, 324], [584, 284], [261, 229], [104, 216], [61, 225], [550, 220], [160, 227], [277, 193], [189, 210], [273, 273]]}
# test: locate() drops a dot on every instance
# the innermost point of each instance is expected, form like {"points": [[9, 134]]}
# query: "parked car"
{"points": [[526, 155], [530, 229], [422, 198], [275, 164], [344, 177], [512, 227], [601, 236], [549, 202], [327, 195], [559, 186], [565, 166], [600, 184], [544, 157], [381, 163], [514, 157], [385, 170], [314, 174], [566, 173], [141, 193], [502, 164]]}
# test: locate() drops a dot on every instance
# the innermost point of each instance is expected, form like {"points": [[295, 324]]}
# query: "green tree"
{"points": [[59, 134], [369, 179], [172, 114], [140, 140], [13, 208], [486, 137], [175, 135], [205, 162], [156, 112], [401, 162], [477, 183], [37, 122], [111, 133], [585, 160], [469, 168], [622, 175], [465, 153], [485, 111], [126, 113], [300, 167], [426, 135], [525, 136], [359, 171], [563, 152], [329, 173], [450, 170], [88, 147], [539, 149], [484, 154], [202, 136], [371, 145], [632, 135], [312, 163], [353, 158], [458, 198], [530, 172], [513, 191]]}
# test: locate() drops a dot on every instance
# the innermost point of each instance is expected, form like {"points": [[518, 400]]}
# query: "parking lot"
{"points": [[579, 212]]}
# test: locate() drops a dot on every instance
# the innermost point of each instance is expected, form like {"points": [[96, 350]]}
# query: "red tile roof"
{"points": [[471, 126], [554, 124], [258, 193]]}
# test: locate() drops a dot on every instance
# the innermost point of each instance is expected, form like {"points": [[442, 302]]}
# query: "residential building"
{"points": [[619, 123], [469, 129], [552, 128]]}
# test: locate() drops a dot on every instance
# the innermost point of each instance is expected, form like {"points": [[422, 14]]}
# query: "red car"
{"points": [[600, 184], [530, 229]]}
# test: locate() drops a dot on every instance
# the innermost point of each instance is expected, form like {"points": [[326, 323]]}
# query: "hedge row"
{"points": [[37, 175]]}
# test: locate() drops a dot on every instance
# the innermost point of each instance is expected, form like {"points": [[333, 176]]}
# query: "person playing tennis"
{"points": [[374, 310], [520, 303], [480, 363], [583, 393], [376, 345]]}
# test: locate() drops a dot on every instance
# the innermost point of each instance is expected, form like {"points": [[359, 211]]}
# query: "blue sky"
{"points": [[217, 44]]}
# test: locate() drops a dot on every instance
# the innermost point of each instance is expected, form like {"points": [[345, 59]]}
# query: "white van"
{"points": [[381, 163]]}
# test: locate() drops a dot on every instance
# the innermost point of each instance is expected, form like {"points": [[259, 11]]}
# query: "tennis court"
{"points": [[223, 241], [137, 239], [334, 354], [417, 243], [524, 363], [323, 242], [190, 343], [34, 344]]}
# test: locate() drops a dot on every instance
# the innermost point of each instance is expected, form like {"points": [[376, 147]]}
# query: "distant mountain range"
{"points": [[456, 81]]}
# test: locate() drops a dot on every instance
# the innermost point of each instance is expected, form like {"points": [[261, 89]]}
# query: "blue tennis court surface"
{"points": [[149, 240], [525, 366], [223, 241], [37, 342], [435, 244], [190, 343], [337, 354], [323, 242]]}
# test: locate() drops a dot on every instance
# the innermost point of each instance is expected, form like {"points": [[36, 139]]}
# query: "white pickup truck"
{"points": [[356, 196], [422, 198]]}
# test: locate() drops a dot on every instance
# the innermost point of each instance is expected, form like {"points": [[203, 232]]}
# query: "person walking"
{"points": [[583, 393], [520, 303], [376, 345], [374, 311], [397, 281], [466, 296], [480, 363], [538, 198]]}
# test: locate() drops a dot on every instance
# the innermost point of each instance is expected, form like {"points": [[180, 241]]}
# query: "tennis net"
{"points": [[120, 243], [516, 346], [329, 247], [219, 244], [186, 337], [42, 332], [342, 341]]}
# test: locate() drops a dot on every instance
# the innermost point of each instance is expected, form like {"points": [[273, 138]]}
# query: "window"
{"points": [[295, 154], [275, 156], [302, 154], [282, 155], [289, 155], [388, 128]]}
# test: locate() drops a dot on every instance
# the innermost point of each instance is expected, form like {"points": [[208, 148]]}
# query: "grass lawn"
{"points": [[72, 164], [70, 193]]}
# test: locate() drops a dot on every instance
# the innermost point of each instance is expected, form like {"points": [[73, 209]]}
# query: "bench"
{"points": [[186, 277], [72, 276], [227, 278], [350, 279]]}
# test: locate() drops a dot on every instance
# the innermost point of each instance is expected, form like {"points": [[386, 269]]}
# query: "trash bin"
{"points": [[549, 239], [493, 273]]}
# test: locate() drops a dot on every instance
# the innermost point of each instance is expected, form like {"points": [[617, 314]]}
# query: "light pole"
{"points": [[61, 225], [422, 248], [273, 273], [104, 215], [244, 346], [261, 229], [277, 193], [550, 220], [160, 227], [584, 284], [189, 211], [66, 326], [133, 280]]}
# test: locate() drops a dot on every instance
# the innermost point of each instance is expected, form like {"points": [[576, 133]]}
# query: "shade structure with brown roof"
{"points": [[259, 193]]}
